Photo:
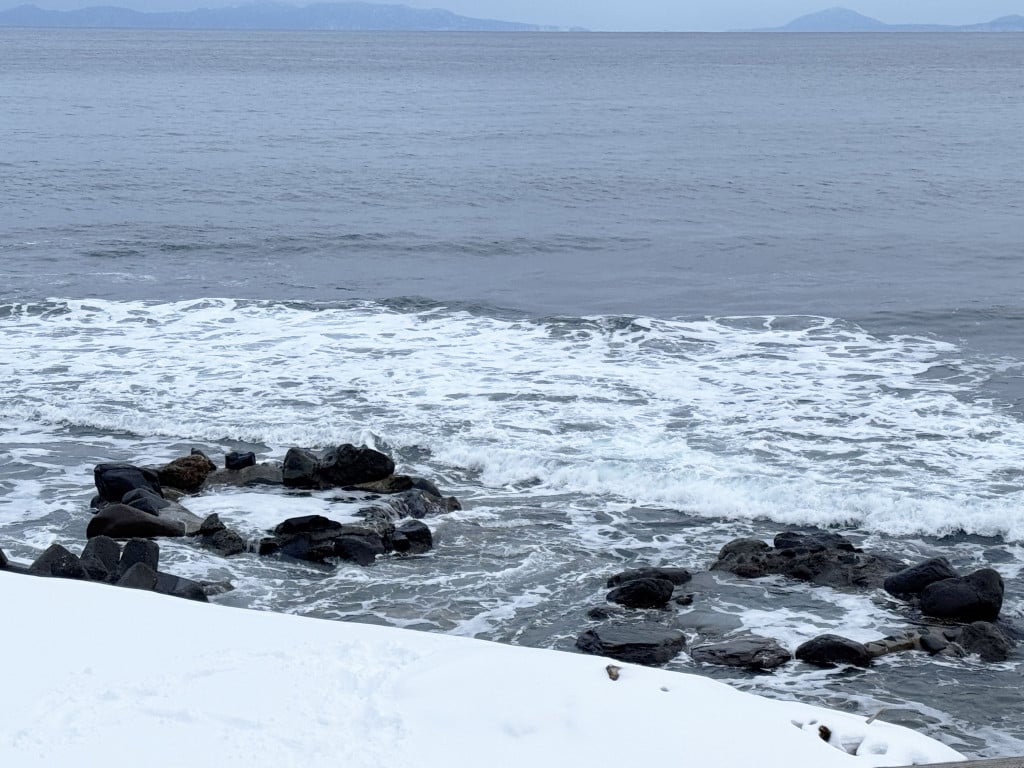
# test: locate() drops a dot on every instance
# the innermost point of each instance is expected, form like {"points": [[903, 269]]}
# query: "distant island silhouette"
{"points": [[354, 16], [845, 20]]}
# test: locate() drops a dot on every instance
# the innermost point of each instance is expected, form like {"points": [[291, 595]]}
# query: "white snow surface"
{"points": [[99, 675]]}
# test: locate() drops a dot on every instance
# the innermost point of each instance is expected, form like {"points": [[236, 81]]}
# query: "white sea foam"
{"points": [[800, 420]]}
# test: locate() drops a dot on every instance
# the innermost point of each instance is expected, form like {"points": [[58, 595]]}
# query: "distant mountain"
{"points": [[845, 20], [265, 15]]}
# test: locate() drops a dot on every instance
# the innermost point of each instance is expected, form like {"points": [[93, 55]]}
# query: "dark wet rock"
{"points": [[300, 469], [912, 580], [315, 538], [639, 643], [351, 465], [749, 652], [642, 593], [186, 473], [676, 575], [176, 513], [830, 650], [100, 558], [985, 639], [146, 500], [821, 558], [237, 460], [307, 524], [416, 504], [113, 480], [3, 559], [932, 642], [213, 534], [119, 521], [58, 562], [412, 538], [269, 473], [975, 597], [398, 484], [139, 576], [139, 551], [176, 586], [908, 641]]}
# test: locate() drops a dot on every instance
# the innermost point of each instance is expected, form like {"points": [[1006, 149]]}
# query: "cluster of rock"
{"points": [[967, 605], [135, 501], [103, 560]]}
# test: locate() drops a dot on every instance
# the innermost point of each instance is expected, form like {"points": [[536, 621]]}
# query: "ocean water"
{"points": [[628, 297]]}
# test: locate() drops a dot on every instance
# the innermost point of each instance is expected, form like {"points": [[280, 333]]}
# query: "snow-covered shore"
{"points": [[96, 675]]}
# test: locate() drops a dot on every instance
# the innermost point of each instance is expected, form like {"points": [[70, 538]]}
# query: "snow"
{"points": [[97, 675]]}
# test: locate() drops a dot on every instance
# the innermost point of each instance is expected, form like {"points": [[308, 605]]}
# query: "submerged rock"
{"points": [[269, 473], [639, 644]]}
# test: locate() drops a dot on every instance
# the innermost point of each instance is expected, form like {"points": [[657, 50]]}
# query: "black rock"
{"points": [[821, 558], [237, 460], [349, 465], [986, 640], [176, 586], [59, 562], [639, 644], [830, 650], [139, 551], [119, 521], [114, 480], [910, 581], [412, 538], [100, 558], [362, 550], [975, 597], [306, 524], [187, 473], [3, 559], [417, 504], [749, 652], [216, 536], [676, 575], [643, 593], [933, 643], [139, 576], [269, 473], [605, 612], [146, 500], [300, 469]]}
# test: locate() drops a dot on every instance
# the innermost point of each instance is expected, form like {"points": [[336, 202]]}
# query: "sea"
{"points": [[628, 297]]}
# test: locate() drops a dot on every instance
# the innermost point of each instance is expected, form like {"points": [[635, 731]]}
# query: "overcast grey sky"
{"points": [[684, 15]]}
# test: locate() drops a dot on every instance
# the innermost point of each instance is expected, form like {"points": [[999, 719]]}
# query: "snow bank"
{"points": [[96, 675]]}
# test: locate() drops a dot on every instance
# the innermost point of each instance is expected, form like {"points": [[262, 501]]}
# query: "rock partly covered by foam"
{"points": [[818, 557], [316, 538]]}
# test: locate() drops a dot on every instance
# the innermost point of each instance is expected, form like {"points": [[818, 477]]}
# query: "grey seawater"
{"points": [[538, 218]]}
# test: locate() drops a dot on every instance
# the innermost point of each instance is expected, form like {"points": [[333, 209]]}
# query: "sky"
{"points": [[646, 15]]}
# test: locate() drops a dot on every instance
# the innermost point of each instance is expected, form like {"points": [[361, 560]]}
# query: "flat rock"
{"points": [[831, 650], [750, 652], [269, 473], [119, 521], [642, 593], [638, 644], [677, 576]]}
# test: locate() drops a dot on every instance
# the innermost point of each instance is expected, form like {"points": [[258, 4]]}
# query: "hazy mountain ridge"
{"points": [[846, 20], [356, 16]]}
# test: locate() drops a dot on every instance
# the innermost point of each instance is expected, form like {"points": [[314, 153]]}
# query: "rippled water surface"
{"points": [[628, 297]]}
